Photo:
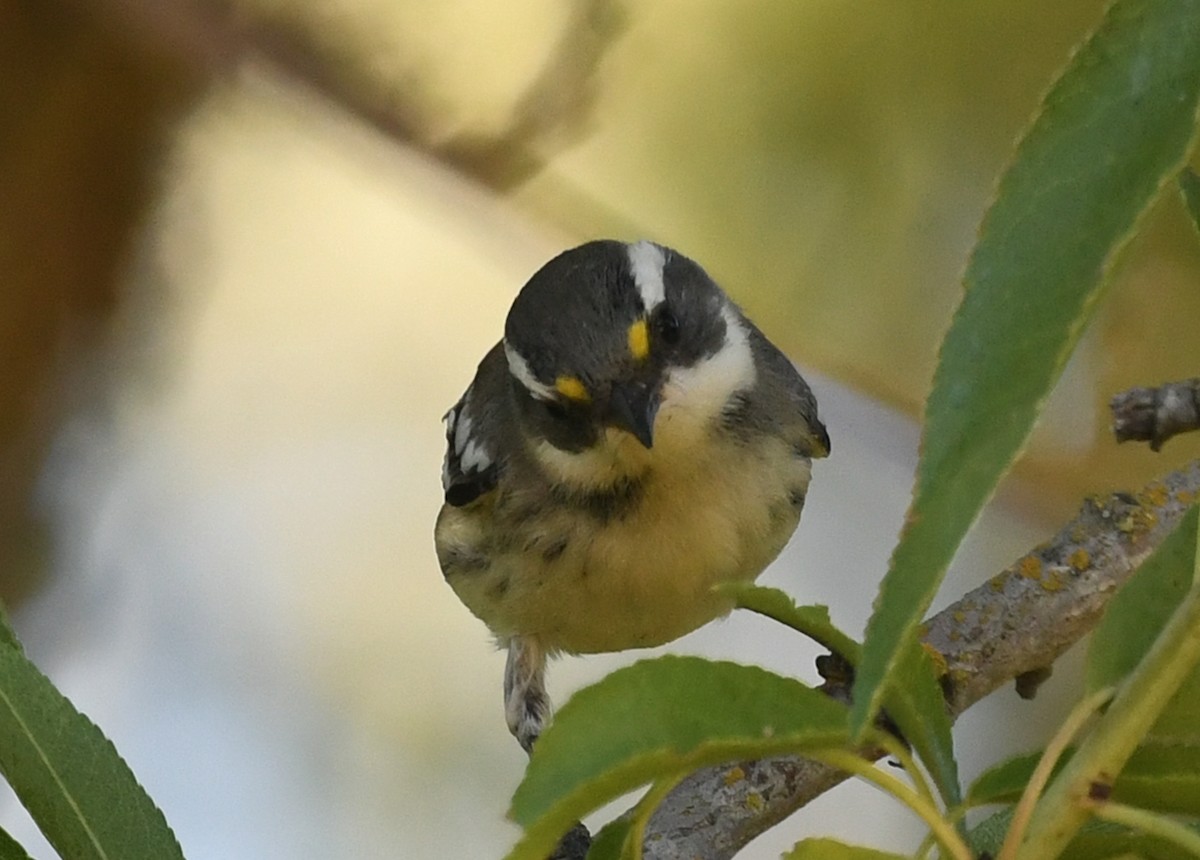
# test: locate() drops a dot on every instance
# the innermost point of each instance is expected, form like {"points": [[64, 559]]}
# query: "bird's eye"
{"points": [[555, 409], [666, 324]]}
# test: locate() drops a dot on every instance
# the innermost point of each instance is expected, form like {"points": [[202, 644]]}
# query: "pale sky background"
{"points": [[246, 597]]}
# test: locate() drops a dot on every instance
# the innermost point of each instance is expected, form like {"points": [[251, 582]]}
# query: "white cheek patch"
{"points": [[646, 262], [694, 396], [519, 368]]}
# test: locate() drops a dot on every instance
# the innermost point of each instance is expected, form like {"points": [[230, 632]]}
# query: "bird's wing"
{"points": [[474, 458]]}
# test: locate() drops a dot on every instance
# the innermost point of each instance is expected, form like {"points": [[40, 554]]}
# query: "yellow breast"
{"points": [[709, 510]]}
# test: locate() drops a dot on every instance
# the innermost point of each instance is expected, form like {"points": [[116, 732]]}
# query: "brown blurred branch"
{"points": [[1015, 624], [307, 45]]}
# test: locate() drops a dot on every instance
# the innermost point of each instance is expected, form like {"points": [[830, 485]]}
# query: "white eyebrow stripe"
{"points": [[519, 368], [646, 261]]}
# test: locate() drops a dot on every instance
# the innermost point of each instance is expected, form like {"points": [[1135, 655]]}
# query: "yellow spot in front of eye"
{"points": [[639, 340], [572, 388]]}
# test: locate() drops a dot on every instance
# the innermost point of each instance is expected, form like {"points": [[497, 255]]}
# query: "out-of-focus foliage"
{"points": [[1115, 129]]}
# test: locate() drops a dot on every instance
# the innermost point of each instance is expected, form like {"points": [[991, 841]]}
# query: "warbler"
{"points": [[631, 442]]}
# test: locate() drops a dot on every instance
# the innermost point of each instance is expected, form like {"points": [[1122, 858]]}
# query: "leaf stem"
{"points": [[1066, 733], [636, 834], [901, 753], [1150, 823], [949, 838]]}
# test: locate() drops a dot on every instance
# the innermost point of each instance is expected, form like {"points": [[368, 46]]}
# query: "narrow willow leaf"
{"points": [[1133, 621], [11, 849], [812, 621], [1115, 126], [917, 705], [68, 775], [1189, 187], [655, 719], [831, 849]]}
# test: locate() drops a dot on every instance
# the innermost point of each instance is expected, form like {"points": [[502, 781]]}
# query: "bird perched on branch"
{"points": [[632, 442]]}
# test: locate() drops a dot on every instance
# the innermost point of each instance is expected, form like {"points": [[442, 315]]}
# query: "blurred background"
{"points": [[251, 250]]}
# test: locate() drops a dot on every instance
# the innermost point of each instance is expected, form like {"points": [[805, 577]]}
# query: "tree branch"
{"points": [[1012, 627], [1154, 415]]}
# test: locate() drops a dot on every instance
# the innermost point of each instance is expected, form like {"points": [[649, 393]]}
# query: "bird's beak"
{"points": [[632, 407]]}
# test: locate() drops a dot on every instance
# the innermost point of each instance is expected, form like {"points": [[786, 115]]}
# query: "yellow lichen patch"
{"points": [[639, 340], [734, 775], [1030, 567], [960, 617], [1052, 581], [1140, 520], [572, 388], [754, 801], [1080, 560], [1156, 494]]}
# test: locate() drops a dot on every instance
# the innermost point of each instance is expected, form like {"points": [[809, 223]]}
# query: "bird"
{"points": [[632, 442]]}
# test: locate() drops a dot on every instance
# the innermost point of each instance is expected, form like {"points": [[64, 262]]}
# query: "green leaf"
{"points": [[659, 718], [1134, 619], [609, 842], [1189, 187], [831, 849], [7, 635], [10, 849], [1163, 778], [1116, 125], [986, 837], [1004, 782], [812, 621], [1096, 840], [1160, 777], [916, 705], [68, 775]]}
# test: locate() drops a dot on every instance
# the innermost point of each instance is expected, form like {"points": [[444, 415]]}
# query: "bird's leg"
{"points": [[526, 705]]}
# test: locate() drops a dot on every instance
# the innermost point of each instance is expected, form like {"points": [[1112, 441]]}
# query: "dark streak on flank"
{"points": [[457, 559], [554, 550]]}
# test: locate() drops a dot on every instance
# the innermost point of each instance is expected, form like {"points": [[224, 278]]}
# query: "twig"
{"points": [[1018, 622], [1154, 415]]}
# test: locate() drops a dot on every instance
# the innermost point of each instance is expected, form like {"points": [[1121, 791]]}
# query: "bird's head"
{"points": [[618, 351]]}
